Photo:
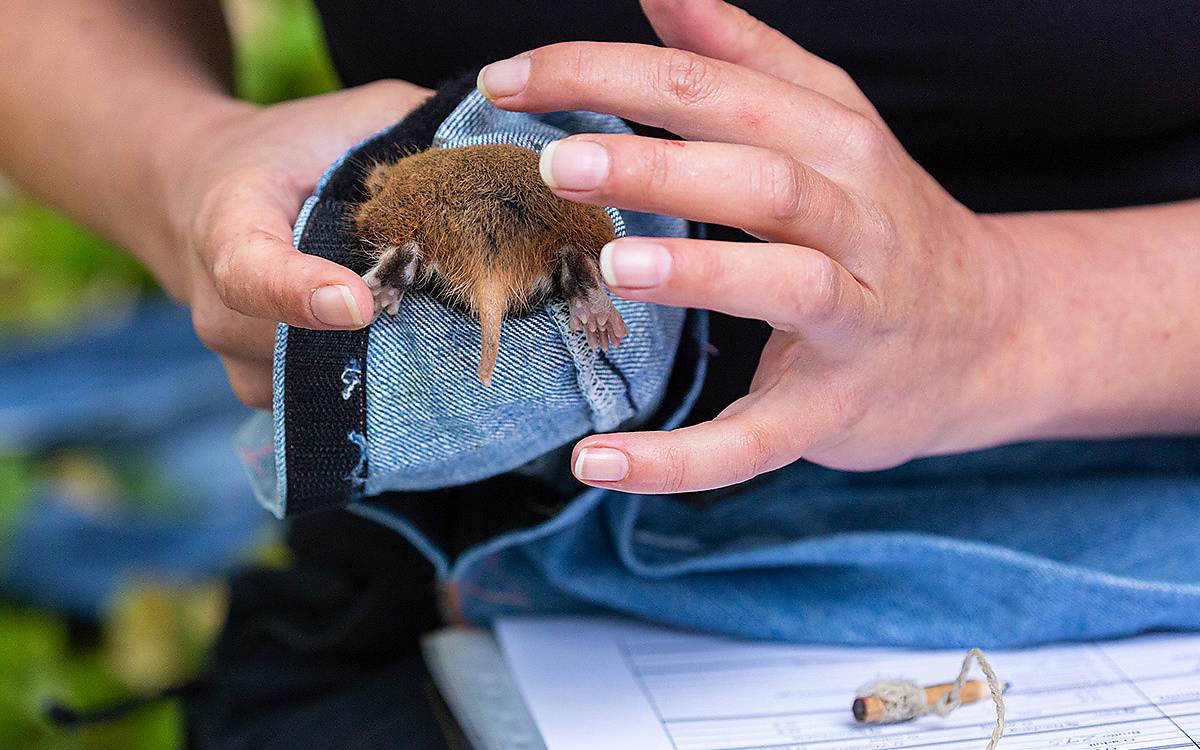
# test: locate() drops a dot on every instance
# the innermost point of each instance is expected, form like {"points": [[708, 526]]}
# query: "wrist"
{"points": [[1041, 383], [1014, 387]]}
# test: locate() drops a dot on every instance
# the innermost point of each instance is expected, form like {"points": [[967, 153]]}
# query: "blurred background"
{"points": [[122, 503]]}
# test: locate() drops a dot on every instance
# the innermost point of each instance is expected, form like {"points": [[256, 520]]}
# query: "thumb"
{"points": [[722, 31], [257, 272]]}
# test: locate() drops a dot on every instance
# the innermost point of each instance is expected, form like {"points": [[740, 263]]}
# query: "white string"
{"points": [[904, 699]]}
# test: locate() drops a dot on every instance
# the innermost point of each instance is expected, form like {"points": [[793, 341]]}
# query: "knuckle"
{"points": [[796, 197], [658, 169], [816, 294], [688, 78], [673, 462], [799, 199], [785, 186], [224, 271], [216, 238], [210, 328], [287, 293], [846, 404], [825, 290], [865, 139], [838, 76], [747, 27], [756, 452], [238, 278]]}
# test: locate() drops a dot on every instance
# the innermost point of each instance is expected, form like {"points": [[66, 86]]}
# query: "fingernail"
{"points": [[335, 306], [632, 264], [601, 465], [504, 78], [574, 165]]}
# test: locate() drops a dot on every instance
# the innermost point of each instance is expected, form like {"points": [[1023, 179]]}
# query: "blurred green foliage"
{"points": [[280, 50], [53, 272], [39, 663], [16, 479], [53, 275]]}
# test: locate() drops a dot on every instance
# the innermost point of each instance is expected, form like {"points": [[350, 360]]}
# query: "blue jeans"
{"points": [[1006, 547]]}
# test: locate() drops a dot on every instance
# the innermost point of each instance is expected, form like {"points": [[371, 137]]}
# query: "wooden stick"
{"points": [[870, 709]]}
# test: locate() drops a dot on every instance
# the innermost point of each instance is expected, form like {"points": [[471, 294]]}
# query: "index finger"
{"points": [[693, 96]]}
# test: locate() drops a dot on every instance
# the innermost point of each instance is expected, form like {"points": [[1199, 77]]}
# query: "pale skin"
{"points": [[904, 324]]}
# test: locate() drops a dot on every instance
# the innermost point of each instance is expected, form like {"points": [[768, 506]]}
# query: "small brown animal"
{"points": [[479, 227]]}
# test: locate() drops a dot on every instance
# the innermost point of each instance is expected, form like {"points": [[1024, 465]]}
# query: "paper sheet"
{"points": [[597, 684]]}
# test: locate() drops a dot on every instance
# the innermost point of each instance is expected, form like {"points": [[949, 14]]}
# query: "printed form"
{"points": [[601, 684]]}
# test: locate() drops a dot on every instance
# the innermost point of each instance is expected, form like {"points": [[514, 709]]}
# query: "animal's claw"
{"points": [[599, 319], [387, 298]]}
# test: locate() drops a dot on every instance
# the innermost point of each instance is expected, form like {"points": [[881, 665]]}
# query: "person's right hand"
{"points": [[233, 182]]}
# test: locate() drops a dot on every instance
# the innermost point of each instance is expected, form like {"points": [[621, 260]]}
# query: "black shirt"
{"points": [[1011, 105]]}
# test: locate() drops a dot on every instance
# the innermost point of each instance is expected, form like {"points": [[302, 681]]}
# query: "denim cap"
{"points": [[398, 406]]}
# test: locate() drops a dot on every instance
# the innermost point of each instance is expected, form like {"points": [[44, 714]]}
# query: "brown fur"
{"points": [[489, 235]]}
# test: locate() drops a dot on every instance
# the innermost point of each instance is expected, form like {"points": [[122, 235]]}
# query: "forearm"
{"points": [[93, 92], [1108, 338]]}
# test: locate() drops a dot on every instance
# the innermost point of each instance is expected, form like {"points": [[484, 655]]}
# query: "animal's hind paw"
{"points": [[598, 318], [387, 298], [392, 275]]}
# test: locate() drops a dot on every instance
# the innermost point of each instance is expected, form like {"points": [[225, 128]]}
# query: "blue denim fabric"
{"points": [[1008, 547], [430, 423]]}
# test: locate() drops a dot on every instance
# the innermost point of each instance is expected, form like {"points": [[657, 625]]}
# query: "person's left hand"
{"points": [[893, 306]]}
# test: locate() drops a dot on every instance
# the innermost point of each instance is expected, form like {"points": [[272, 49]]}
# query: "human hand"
{"points": [[892, 305], [234, 182]]}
